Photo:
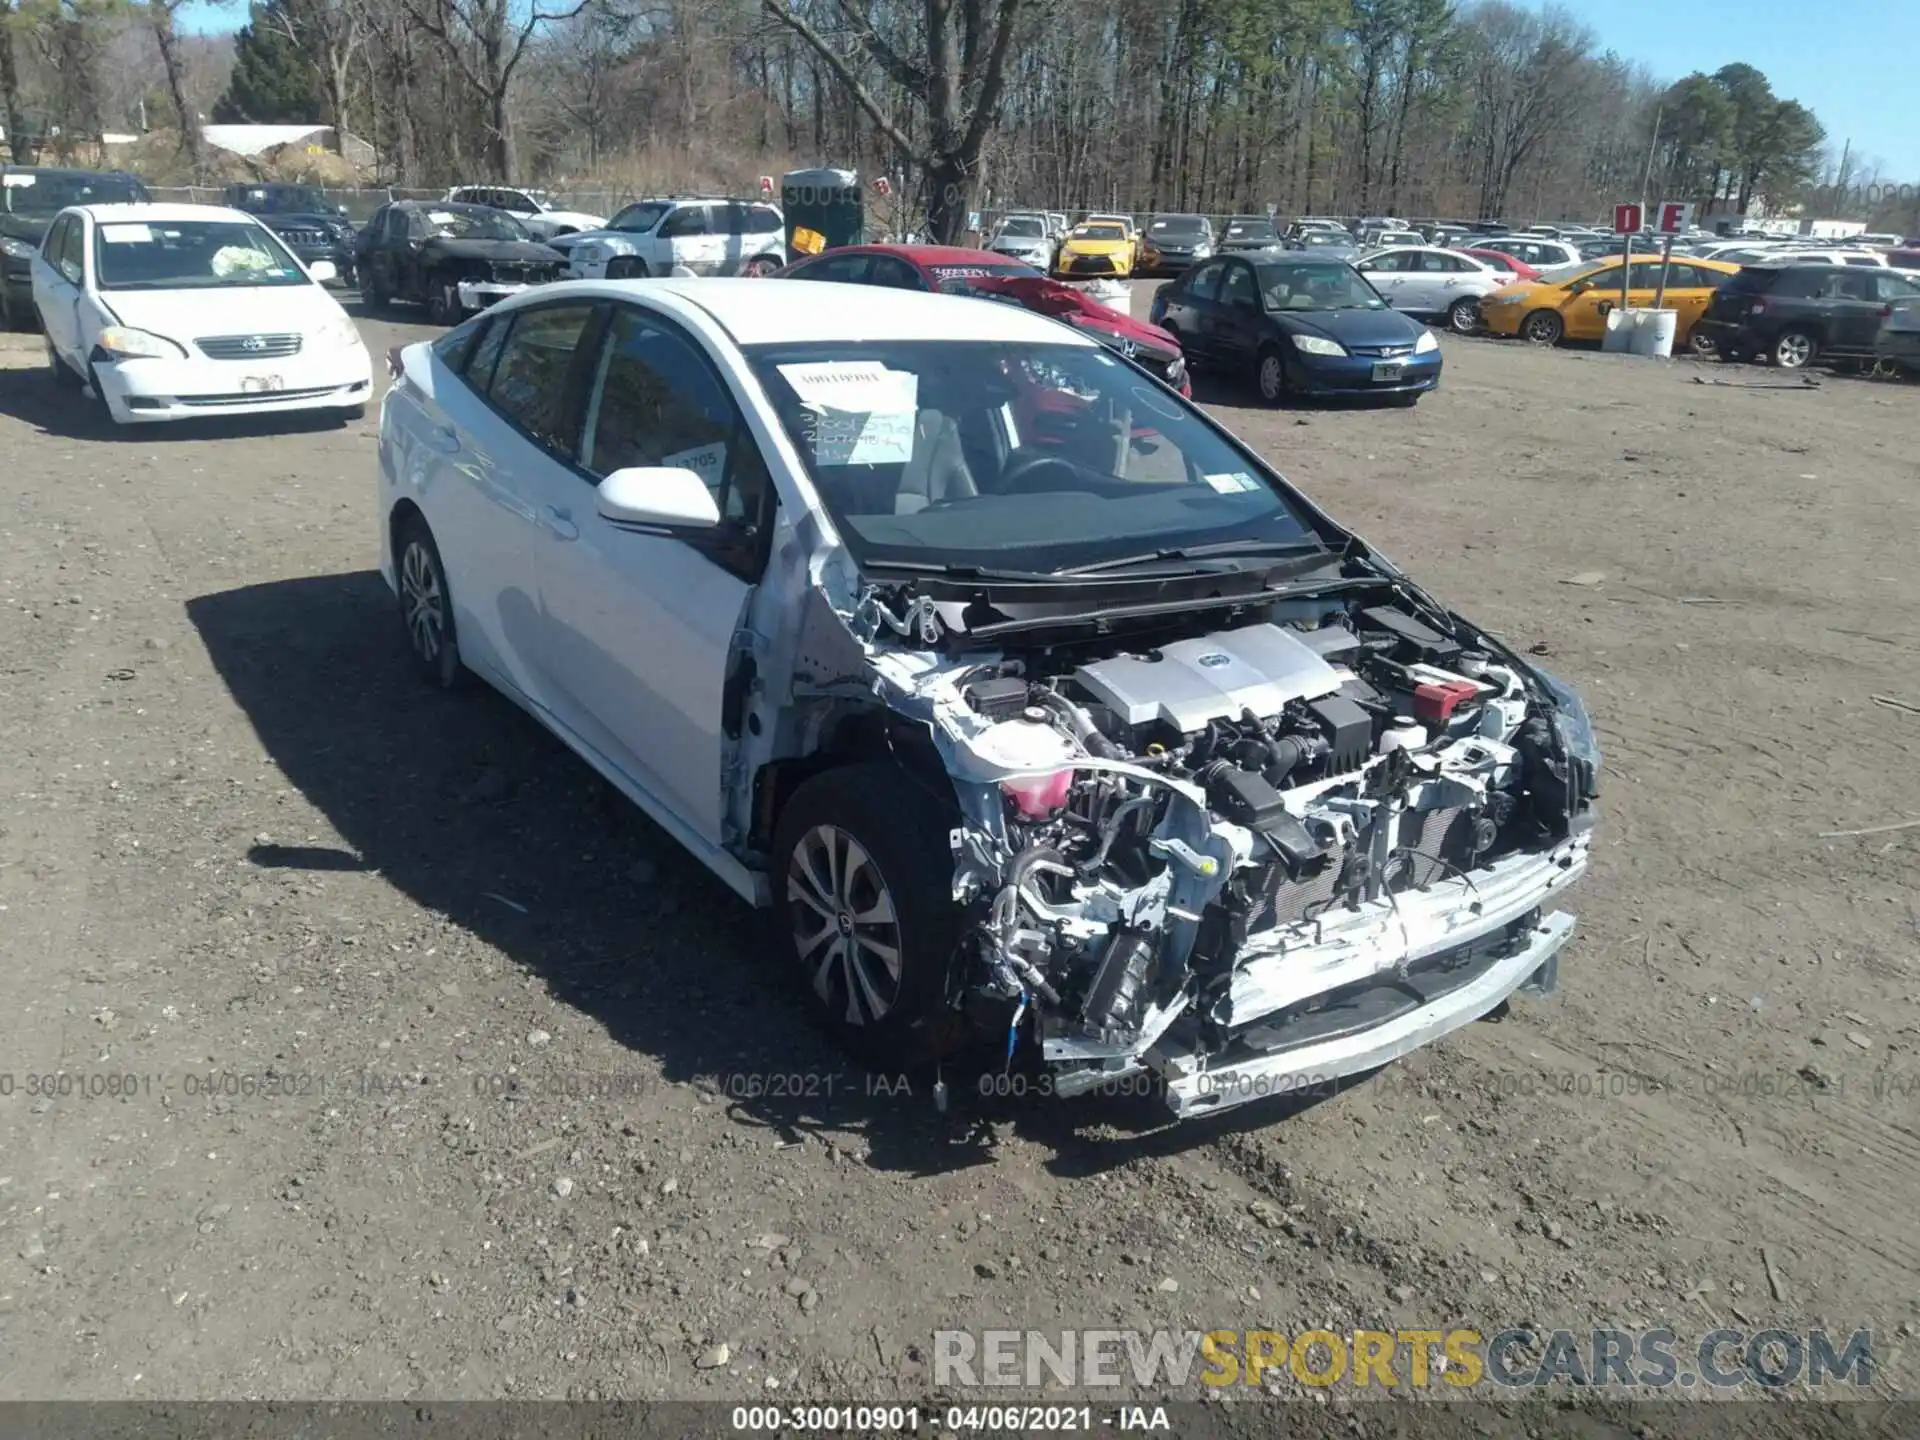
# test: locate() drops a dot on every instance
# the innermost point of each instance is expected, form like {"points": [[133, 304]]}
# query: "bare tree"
{"points": [[330, 34], [160, 15], [948, 58], [485, 44]]}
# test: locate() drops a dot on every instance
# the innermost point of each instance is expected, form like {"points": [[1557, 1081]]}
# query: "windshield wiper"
{"points": [[1309, 553], [956, 572]]}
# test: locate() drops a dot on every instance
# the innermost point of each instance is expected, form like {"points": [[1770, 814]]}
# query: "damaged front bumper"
{"points": [[1312, 1003]]}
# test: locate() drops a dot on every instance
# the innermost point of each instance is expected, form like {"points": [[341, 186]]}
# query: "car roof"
{"points": [[772, 312], [164, 214]]}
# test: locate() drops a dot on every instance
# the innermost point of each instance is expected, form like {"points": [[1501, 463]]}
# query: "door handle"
{"points": [[560, 523]]}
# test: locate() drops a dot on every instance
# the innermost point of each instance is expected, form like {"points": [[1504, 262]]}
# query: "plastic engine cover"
{"points": [[1258, 667]]}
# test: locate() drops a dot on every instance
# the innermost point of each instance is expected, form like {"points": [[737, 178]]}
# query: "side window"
{"points": [[529, 384], [887, 270], [456, 345], [847, 269], [55, 239], [1889, 288], [72, 259], [1204, 283], [1238, 289], [1646, 275], [1864, 260], [733, 218], [657, 401], [485, 355], [518, 201], [763, 220], [687, 220], [397, 224]]}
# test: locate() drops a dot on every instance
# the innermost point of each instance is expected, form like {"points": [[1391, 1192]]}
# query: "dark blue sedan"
{"points": [[1298, 327]]}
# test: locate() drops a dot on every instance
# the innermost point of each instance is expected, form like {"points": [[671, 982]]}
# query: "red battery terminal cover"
{"points": [[1434, 701]]}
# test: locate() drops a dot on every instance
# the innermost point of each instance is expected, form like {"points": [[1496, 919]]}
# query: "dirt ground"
{"points": [[452, 1078]]}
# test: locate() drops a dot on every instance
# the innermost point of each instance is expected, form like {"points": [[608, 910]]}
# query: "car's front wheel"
{"points": [[863, 905], [426, 604], [1543, 327], [1271, 375], [443, 302]]}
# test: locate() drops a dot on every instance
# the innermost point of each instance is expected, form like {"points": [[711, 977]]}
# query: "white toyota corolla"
{"points": [[169, 311], [1033, 704]]}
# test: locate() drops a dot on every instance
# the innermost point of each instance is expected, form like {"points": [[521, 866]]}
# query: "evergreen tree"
{"points": [[271, 83]]}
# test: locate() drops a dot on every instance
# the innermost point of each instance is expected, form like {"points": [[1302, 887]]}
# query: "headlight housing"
{"points": [[1318, 345], [122, 342], [16, 249], [1574, 728], [1503, 300], [338, 332], [1427, 343]]}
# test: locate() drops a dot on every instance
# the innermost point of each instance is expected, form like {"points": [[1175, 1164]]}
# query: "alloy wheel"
{"points": [[423, 601], [1273, 377], [1542, 328], [1793, 350], [845, 927], [1464, 317]]}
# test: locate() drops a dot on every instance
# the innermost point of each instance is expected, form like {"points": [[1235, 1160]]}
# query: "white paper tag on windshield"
{"points": [[1232, 483], [706, 461], [126, 235], [440, 217], [17, 182], [859, 386]]}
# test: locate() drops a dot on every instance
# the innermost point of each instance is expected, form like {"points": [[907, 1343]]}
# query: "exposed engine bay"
{"points": [[1254, 857]]}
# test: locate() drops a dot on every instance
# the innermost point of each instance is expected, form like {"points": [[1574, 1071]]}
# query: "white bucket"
{"points": [[1641, 332]]}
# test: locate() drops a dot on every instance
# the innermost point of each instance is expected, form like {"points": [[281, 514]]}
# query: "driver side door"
{"points": [[640, 628]]}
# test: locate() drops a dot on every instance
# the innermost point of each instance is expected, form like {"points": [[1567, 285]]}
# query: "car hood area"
{"points": [[1351, 327], [1212, 837], [183, 315], [514, 250]]}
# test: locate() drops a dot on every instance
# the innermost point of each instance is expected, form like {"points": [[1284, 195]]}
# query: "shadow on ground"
{"points": [[32, 397], [477, 813]]}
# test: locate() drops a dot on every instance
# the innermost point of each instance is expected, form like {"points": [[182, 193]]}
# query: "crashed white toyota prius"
{"points": [[1034, 705]]}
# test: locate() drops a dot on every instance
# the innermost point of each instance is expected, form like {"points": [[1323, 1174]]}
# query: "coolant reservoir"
{"points": [[1040, 756], [1405, 733]]}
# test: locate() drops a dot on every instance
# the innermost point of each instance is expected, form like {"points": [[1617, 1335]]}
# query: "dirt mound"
{"points": [[296, 162], [157, 158]]}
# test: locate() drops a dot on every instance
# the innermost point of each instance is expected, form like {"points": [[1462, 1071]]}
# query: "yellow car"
{"points": [[1096, 247], [1573, 304]]}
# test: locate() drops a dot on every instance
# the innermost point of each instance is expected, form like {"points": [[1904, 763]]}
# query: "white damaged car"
{"points": [[1033, 705]]}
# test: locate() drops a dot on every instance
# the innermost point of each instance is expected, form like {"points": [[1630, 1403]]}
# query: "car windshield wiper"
{"points": [[956, 572], [1309, 554]]}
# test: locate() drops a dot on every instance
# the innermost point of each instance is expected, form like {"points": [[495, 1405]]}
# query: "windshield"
{"points": [[46, 192], [1250, 229], [1035, 457], [190, 255], [965, 279], [1098, 232], [473, 223], [1327, 237], [1567, 274], [1316, 285], [639, 218], [1401, 237], [1025, 226], [286, 200], [1178, 225]]}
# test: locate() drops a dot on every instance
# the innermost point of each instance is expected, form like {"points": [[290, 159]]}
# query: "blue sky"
{"points": [[1853, 62]]}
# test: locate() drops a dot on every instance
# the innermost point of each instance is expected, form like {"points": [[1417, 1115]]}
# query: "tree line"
{"points": [[1468, 108]]}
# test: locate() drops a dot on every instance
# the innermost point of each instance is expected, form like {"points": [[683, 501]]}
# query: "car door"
{"points": [[1189, 309], [1238, 316], [1387, 272], [1856, 305], [493, 438], [640, 627], [58, 272], [894, 273]]}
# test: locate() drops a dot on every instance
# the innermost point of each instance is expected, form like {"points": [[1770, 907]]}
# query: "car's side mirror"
{"points": [[341, 209], [322, 271], [655, 497]]}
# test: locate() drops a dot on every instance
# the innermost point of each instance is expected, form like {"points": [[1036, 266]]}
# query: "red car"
{"points": [[952, 270], [1519, 269]]}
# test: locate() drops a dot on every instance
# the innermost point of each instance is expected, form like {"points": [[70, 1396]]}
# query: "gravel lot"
{"points": [[517, 1108]]}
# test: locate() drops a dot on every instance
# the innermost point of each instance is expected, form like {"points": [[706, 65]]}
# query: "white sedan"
{"points": [[171, 311], [1036, 706], [1425, 280]]}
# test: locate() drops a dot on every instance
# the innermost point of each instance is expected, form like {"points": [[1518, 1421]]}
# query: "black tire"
{"points": [[9, 319], [1544, 328], [443, 302], [423, 584], [373, 294], [61, 373], [1793, 350], [1463, 316], [904, 870], [1270, 375], [100, 395]]}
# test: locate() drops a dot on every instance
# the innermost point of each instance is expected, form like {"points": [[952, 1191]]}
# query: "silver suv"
{"points": [[680, 236]]}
